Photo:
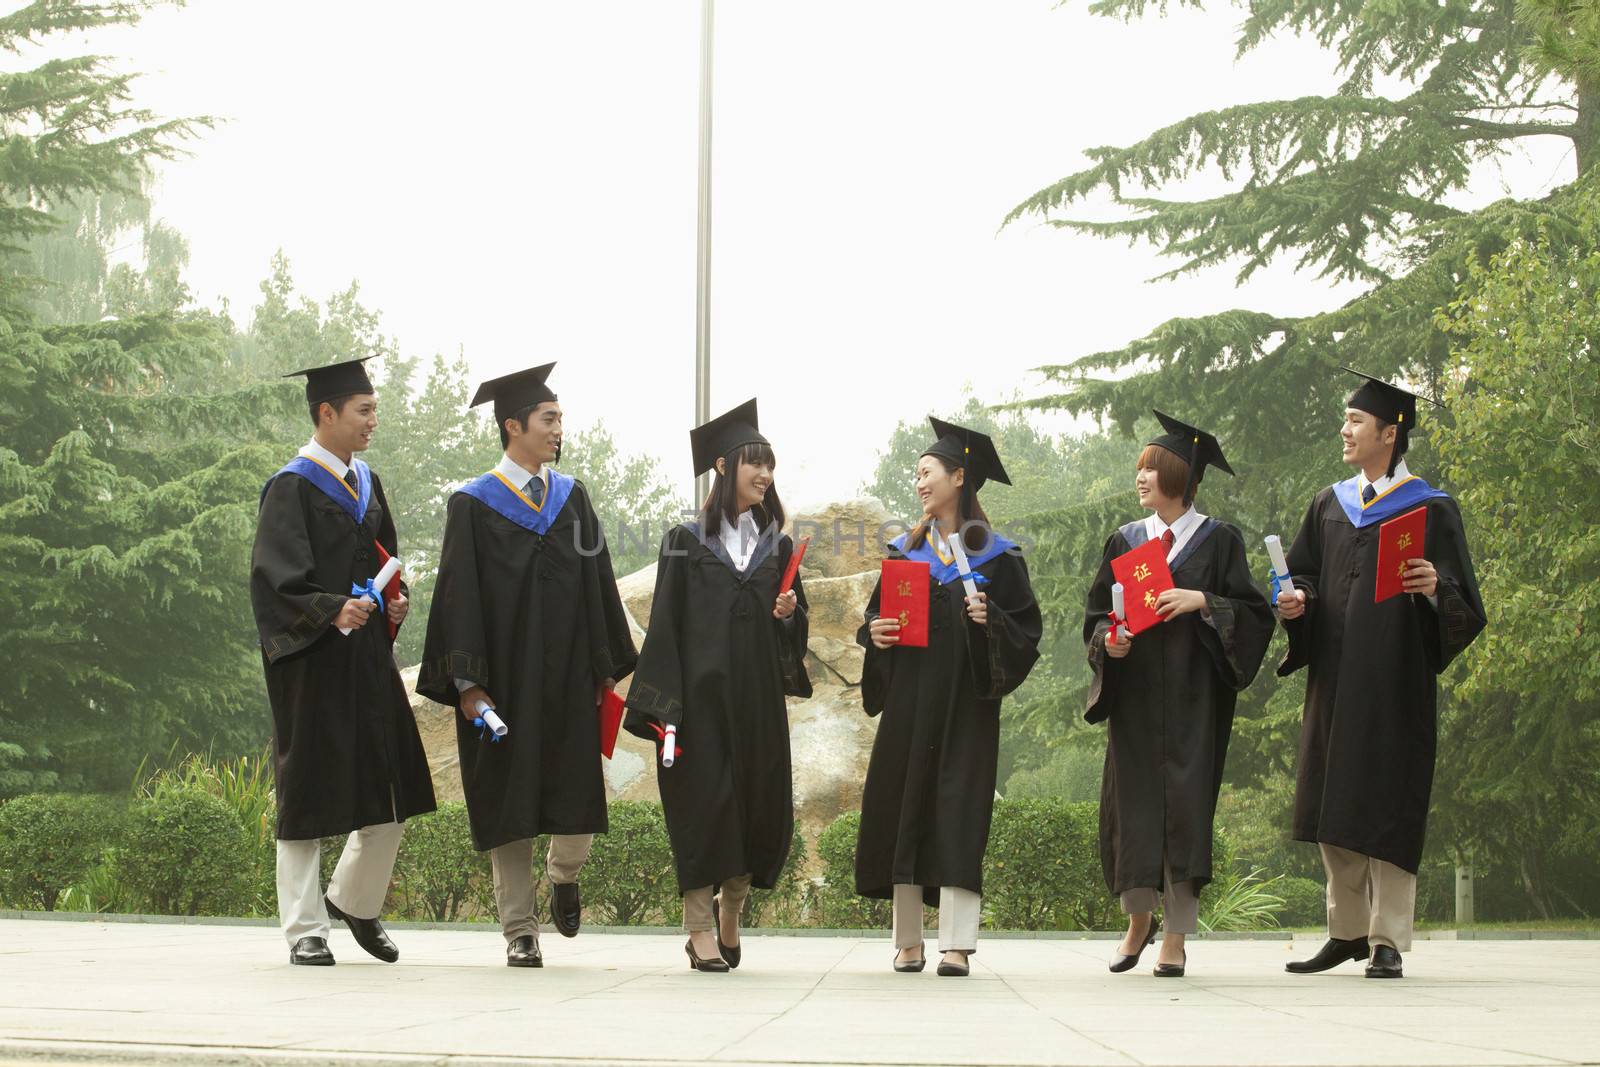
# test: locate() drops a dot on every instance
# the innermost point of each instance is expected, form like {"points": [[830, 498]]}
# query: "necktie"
{"points": [[350, 479], [1167, 538], [1368, 493], [535, 490]]}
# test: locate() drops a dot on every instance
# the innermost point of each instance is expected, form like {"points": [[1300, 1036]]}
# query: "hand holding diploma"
{"points": [[372, 591], [1420, 577], [1290, 602], [488, 721], [1118, 640], [668, 736], [784, 607], [885, 631]]}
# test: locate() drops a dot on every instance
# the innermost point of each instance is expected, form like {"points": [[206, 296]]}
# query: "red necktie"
{"points": [[1167, 539]]}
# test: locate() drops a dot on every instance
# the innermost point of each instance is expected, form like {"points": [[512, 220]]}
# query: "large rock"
{"points": [[847, 537]]}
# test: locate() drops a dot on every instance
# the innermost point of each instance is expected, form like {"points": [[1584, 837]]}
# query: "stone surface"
{"points": [[132, 993]]}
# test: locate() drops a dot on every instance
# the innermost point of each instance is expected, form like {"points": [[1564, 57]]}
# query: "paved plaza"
{"points": [[123, 992]]}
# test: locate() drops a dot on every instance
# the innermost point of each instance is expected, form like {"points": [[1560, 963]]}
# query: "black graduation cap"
{"points": [[723, 434], [515, 392], [968, 449], [336, 380], [1192, 445], [1392, 404]]}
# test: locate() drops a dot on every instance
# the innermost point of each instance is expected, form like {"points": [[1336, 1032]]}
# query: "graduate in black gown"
{"points": [[929, 794], [722, 652], [1370, 729], [1167, 696], [347, 757], [526, 620]]}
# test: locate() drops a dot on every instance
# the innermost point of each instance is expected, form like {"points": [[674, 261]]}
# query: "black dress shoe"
{"points": [[1172, 970], [1385, 963], [731, 954], [716, 966], [956, 970], [566, 908], [1122, 962], [311, 952], [1335, 952], [368, 933], [914, 966], [524, 952]]}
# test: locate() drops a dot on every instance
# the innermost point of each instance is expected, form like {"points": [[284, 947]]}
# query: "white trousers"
{"points": [[1369, 898], [359, 884], [960, 911], [515, 895]]}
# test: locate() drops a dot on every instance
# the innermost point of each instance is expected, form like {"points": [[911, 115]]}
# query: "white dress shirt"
{"points": [[520, 476], [314, 450], [1383, 484], [740, 540]]}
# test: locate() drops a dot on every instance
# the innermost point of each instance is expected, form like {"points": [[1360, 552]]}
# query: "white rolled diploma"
{"points": [[1280, 566], [961, 565], [391, 567], [495, 724], [669, 746], [1118, 606]]}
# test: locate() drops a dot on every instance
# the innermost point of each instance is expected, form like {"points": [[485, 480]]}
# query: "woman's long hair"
{"points": [[722, 503], [975, 531]]}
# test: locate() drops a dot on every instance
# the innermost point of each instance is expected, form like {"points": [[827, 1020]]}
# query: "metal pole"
{"points": [[702, 300]]}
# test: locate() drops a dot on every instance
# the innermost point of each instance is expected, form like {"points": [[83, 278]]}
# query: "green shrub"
{"points": [[1072, 773], [629, 878], [784, 904], [1042, 868], [187, 854], [838, 906], [245, 786], [1305, 902], [48, 841], [1237, 898], [438, 872]]}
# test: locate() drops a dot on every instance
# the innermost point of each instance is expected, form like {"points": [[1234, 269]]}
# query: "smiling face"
{"points": [[938, 486], [1160, 478], [348, 428], [1367, 439], [753, 477], [536, 440]]}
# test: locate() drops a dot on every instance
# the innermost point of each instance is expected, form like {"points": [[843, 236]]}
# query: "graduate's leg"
{"points": [[300, 908], [1180, 916], [697, 911], [566, 856], [908, 923], [1139, 906], [959, 912], [730, 903], [361, 880], [1394, 903], [512, 864], [1349, 893]]}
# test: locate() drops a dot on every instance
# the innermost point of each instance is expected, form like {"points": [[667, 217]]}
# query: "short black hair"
{"points": [[521, 418], [338, 403]]}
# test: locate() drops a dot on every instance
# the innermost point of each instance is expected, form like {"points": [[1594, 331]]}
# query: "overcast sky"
{"points": [[518, 180]]}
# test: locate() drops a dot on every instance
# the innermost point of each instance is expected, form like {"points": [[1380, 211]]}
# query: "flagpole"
{"points": [[702, 299]]}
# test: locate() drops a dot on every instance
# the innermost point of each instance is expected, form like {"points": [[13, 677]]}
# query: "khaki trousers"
{"points": [[359, 884], [515, 896], [1180, 908], [697, 903], [1369, 898], [959, 913]]}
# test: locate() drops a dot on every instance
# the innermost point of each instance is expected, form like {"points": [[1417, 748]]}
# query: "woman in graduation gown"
{"points": [[722, 651], [1167, 696], [929, 794]]}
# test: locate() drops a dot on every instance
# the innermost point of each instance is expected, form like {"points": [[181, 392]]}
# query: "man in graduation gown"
{"points": [[1368, 738], [347, 758], [1168, 697], [526, 619], [928, 799]]}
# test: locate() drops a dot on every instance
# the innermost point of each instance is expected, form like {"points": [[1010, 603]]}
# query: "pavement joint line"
{"points": [[845, 951]]}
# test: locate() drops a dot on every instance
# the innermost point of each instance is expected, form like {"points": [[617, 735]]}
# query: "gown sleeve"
{"points": [[1096, 624], [456, 645], [610, 638], [1242, 620], [878, 666], [1459, 617], [291, 610], [1305, 568], [656, 693], [1005, 648], [794, 632]]}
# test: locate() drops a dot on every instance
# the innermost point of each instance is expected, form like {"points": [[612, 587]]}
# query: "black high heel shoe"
{"points": [[1172, 970], [913, 966], [731, 954], [716, 966], [1121, 962]]}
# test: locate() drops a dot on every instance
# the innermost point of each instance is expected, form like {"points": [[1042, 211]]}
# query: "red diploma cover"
{"points": [[610, 722], [1399, 539], [391, 590], [903, 596], [1144, 575], [794, 565]]}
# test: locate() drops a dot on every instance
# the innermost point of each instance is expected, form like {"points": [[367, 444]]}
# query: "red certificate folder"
{"points": [[610, 722], [1144, 575], [903, 596], [391, 590], [795, 557], [1399, 539]]}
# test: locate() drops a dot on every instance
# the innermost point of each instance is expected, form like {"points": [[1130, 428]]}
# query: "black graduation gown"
{"points": [[929, 794], [537, 621], [1369, 734], [345, 745], [1168, 706], [716, 663]]}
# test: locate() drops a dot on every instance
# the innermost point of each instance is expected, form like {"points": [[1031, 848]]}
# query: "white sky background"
{"points": [[518, 180]]}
